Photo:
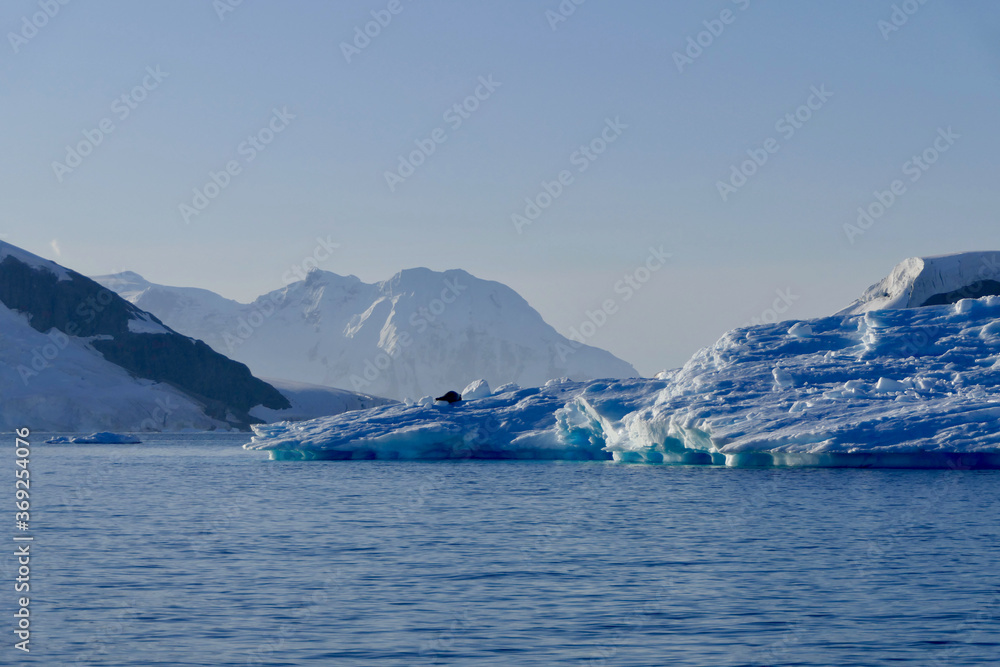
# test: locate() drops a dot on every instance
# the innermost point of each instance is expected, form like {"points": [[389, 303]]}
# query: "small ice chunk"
{"points": [[801, 330], [964, 306], [504, 388], [102, 438], [887, 385], [782, 378], [476, 389], [854, 389]]}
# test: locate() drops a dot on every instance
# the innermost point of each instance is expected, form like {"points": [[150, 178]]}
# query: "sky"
{"points": [[699, 165]]}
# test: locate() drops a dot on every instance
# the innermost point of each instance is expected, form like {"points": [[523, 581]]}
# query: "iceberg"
{"points": [[903, 388], [891, 388], [908, 387], [475, 390], [102, 438], [930, 281], [559, 421]]}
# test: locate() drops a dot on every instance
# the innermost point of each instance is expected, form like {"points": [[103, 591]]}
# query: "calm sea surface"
{"points": [[187, 550]]}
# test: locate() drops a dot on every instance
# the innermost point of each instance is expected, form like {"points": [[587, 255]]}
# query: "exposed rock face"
{"points": [[54, 298]]}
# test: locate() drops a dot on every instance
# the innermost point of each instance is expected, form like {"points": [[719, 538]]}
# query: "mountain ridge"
{"points": [[417, 333], [74, 356]]}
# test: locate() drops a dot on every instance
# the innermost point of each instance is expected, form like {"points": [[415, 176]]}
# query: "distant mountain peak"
{"points": [[130, 278], [421, 332]]}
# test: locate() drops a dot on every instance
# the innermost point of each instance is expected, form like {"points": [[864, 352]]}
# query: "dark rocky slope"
{"points": [[78, 306]]}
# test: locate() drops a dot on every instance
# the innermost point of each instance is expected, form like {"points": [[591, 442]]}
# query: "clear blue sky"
{"points": [[657, 184]]}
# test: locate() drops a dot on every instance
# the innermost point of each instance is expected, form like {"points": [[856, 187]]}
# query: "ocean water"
{"points": [[188, 550]]}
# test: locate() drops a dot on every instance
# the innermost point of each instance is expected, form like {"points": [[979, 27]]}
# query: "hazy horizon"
{"points": [[297, 133]]}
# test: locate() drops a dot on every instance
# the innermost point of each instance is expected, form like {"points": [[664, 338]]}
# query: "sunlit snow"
{"points": [[902, 388]]}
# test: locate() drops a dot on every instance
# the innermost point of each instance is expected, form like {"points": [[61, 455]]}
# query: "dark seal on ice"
{"points": [[450, 397]]}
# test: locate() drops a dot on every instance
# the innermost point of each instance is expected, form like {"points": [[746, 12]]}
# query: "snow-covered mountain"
{"points": [[53, 382], [421, 332], [906, 387], [929, 281], [74, 356]]}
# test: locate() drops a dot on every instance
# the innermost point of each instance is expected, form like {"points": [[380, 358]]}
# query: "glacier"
{"points": [[906, 387]]}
